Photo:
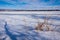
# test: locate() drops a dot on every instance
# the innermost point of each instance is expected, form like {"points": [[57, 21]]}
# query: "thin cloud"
{"points": [[31, 4]]}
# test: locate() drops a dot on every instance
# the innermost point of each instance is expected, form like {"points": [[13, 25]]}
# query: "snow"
{"points": [[13, 27], [50, 35]]}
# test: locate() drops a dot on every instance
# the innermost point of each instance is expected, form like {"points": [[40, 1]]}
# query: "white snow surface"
{"points": [[22, 27]]}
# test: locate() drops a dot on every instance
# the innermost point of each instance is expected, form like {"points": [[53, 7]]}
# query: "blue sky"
{"points": [[29, 4]]}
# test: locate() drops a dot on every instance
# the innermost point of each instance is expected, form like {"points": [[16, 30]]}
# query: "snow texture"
{"points": [[22, 27]]}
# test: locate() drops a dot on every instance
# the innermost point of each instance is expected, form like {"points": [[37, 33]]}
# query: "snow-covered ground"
{"points": [[22, 27]]}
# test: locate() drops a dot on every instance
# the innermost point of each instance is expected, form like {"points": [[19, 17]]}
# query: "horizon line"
{"points": [[29, 10]]}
